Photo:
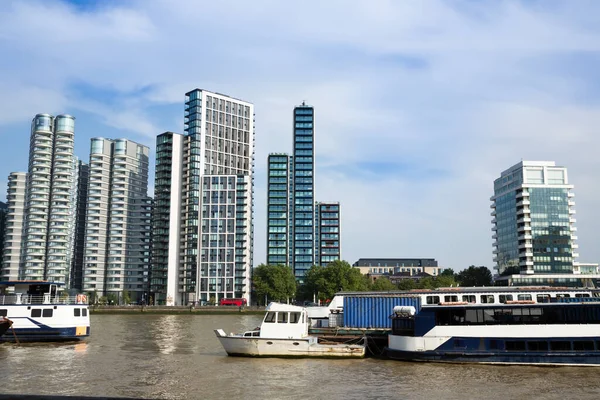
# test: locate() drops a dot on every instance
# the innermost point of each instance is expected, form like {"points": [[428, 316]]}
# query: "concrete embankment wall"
{"points": [[176, 310]]}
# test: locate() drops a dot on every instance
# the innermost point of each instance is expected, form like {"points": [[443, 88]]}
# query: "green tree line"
{"points": [[277, 282]]}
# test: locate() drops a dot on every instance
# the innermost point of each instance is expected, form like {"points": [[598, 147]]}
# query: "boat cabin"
{"points": [[36, 292], [284, 321]]}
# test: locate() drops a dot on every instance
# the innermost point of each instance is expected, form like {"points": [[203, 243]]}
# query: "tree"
{"points": [[448, 272], [383, 284], [512, 270], [407, 284], [475, 276], [276, 282], [445, 281], [337, 276], [126, 297]]}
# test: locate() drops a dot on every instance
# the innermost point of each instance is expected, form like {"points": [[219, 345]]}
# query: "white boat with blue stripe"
{"points": [[40, 311], [534, 326]]}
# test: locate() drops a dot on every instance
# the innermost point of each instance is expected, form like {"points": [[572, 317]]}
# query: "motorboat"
{"points": [[284, 333]]}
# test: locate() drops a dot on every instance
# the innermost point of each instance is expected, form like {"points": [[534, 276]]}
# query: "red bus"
{"points": [[232, 302]]}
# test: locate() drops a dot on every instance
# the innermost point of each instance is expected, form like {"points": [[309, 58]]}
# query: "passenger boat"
{"points": [[284, 333], [536, 326], [39, 311]]}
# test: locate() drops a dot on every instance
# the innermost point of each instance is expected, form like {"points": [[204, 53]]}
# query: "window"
{"points": [[84, 312], [433, 299], [515, 345], [583, 345], [524, 297], [76, 312], [539, 346], [560, 346], [450, 299], [3, 313], [270, 317], [294, 317], [469, 298], [47, 312], [36, 313], [487, 298], [503, 298], [282, 317], [543, 298]]}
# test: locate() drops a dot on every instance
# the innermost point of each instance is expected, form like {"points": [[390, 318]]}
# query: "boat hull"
{"points": [[240, 346], [524, 358]]}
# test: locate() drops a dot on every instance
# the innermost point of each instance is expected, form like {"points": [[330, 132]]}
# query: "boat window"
{"points": [[524, 297], [451, 299], [294, 317], [282, 317], [582, 295], [515, 345], [3, 313], [84, 312], [562, 295], [270, 317], [433, 299], [76, 312], [503, 298], [47, 312], [36, 313], [543, 298], [583, 345], [470, 316], [560, 345], [255, 333], [248, 333], [487, 298], [469, 298], [537, 345]]}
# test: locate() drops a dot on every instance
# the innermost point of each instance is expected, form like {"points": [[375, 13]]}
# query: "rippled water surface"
{"points": [[179, 357]]}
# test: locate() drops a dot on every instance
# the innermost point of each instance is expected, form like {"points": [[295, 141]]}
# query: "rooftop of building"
{"points": [[396, 262], [528, 163], [218, 94]]}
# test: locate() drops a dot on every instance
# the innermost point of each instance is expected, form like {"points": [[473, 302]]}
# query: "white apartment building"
{"points": [[203, 217], [118, 221], [11, 258]]}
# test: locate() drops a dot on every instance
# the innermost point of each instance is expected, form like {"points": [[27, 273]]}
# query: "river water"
{"points": [[178, 357]]}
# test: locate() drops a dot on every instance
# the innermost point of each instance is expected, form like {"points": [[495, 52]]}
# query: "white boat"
{"points": [[284, 333], [39, 311]]}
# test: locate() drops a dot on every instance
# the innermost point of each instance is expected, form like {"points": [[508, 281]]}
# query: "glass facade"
{"points": [[303, 213], [327, 233], [533, 224], [278, 209]]}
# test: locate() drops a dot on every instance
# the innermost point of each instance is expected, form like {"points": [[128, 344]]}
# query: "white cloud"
{"points": [[456, 92]]}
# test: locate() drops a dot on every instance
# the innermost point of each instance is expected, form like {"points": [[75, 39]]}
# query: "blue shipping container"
{"points": [[374, 311]]}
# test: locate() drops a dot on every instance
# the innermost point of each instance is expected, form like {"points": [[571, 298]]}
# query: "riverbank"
{"points": [[212, 310]]}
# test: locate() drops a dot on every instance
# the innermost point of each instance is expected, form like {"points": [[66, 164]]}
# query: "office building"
{"points": [[118, 219], [14, 223], [534, 229], [327, 232], [203, 216]]}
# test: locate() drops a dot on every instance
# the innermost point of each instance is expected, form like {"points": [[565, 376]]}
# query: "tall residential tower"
{"points": [[118, 219], [203, 216]]}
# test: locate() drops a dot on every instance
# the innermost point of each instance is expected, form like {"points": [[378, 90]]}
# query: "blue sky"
{"points": [[419, 104]]}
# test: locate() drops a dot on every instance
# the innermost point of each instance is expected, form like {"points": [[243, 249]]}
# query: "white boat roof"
{"points": [[283, 307]]}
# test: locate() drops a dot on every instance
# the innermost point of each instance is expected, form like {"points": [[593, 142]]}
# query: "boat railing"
{"points": [[19, 298]]}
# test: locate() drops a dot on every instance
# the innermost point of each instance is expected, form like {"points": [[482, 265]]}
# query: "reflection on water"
{"points": [[179, 357]]}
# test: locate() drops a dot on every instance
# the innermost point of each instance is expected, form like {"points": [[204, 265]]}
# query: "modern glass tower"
{"points": [[327, 232], [118, 221], [203, 219], [279, 208], [533, 223], [303, 191]]}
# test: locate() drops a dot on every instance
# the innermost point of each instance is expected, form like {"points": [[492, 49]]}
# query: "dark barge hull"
{"points": [[591, 359]]}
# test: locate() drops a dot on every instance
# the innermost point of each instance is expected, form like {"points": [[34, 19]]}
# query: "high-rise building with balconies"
{"points": [[118, 220], [534, 226], [203, 215], [14, 223], [327, 232]]}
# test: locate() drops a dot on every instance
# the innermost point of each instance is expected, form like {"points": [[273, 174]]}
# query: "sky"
{"points": [[419, 104]]}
